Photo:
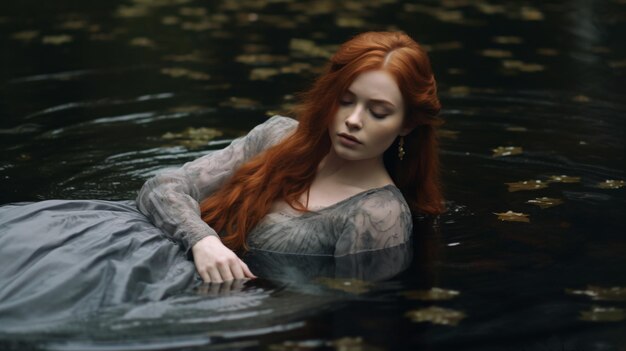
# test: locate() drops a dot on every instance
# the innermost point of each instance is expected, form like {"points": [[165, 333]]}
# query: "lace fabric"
{"points": [[374, 219]]}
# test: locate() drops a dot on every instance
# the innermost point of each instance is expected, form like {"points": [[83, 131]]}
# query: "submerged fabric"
{"points": [[65, 259], [64, 262]]}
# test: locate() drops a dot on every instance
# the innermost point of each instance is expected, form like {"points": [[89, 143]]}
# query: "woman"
{"points": [[341, 181], [332, 174]]}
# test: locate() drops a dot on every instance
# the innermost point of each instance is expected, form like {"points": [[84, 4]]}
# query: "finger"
{"points": [[246, 270], [215, 275], [225, 272], [203, 274], [237, 270]]}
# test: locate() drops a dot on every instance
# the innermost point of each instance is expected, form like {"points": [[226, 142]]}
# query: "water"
{"points": [[97, 97]]}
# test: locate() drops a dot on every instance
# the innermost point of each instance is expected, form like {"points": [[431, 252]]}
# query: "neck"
{"points": [[368, 173]]}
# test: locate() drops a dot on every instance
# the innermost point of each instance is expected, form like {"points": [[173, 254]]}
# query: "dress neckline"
{"points": [[294, 214], [359, 194]]}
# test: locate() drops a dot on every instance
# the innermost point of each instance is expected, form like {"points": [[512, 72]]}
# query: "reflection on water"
{"points": [[97, 97]]}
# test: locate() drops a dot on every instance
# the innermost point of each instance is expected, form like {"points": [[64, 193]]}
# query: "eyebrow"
{"points": [[378, 101]]}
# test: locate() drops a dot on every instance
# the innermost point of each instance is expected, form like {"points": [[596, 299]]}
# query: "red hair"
{"points": [[286, 170]]}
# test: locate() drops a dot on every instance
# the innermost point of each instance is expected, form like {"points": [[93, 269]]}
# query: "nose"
{"points": [[354, 120]]}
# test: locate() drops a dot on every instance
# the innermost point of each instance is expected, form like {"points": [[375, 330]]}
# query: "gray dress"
{"points": [[371, 220], [66, 259]]}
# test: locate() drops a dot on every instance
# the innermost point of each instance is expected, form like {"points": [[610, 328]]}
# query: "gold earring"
{"points": [[401, 148]]}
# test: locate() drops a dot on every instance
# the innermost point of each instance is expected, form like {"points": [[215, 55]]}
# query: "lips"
{"points": [[350, 137]]}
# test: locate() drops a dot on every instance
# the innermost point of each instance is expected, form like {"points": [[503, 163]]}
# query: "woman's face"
{"points": [[369, 118]]}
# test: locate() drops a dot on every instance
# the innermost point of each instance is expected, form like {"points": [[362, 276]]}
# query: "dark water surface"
{"points": [[95, 97]]}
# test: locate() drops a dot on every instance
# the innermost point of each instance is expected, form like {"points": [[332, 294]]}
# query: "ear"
{"points": [[407, 126], [405, 131]]}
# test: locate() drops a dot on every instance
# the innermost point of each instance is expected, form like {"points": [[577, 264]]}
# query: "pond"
{"points": [[96, 97]]}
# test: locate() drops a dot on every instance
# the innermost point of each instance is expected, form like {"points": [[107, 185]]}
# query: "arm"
{"points": [[171, 199], [381, 220]]}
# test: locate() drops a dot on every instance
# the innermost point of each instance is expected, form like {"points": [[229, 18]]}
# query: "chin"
{"points": [[348, 156]]}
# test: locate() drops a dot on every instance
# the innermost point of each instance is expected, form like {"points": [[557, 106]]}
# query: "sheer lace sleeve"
{"points": [[378, 221], [171, 199]]}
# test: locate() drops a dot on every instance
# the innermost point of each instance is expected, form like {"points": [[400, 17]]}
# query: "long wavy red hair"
{"points": [[286, 170]]}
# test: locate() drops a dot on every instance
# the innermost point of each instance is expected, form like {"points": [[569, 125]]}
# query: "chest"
{"points": [[320, 195], [286, 230]]}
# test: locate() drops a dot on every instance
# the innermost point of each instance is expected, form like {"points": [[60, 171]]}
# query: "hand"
{"points": [[216, 263]]}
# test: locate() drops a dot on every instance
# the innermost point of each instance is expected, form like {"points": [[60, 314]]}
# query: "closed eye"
{"points": [[378, 115], [345, 102]]}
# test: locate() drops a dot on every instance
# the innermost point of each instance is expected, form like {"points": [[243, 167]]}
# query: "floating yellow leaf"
{"points": [[240, 103], [26, 35], [434, 294], [490, 9], [349, 22], [342, 344], [263, 73], [611, 184], [496, 53], [256, 59], [511, 216], [285, 109], [507, 40], [545, 202], [309, 48], [179, 72], [449, 134], [522, 66], [603, 314], [351, 344], [526, 185], [506, 151], [142, 42], [531, 14], [615, 293], [57, 39], [78, 24], [132, 11], [24, 157], [313, 7], [354, 286], [563, 179], [436, 315], [581, 98], [197, 26], [460, 90], [193, 138], [296, 67]]}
